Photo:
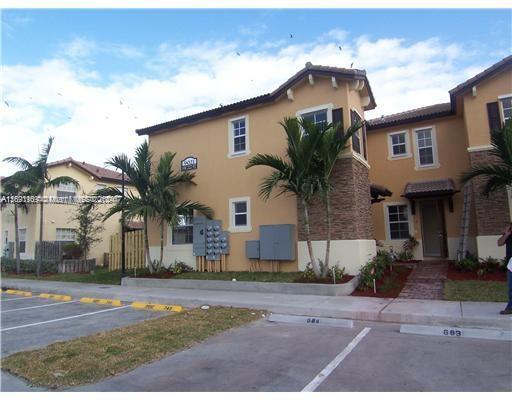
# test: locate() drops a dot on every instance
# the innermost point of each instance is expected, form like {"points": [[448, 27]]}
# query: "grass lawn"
{"points": [[242, 276], [475, 291], [91, 358], [101, 276]]}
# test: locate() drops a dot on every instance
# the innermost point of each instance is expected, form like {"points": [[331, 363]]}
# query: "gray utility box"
{"points": [[199, 236], [277, 242], [252, 249], [213, 239], [224, 242]]}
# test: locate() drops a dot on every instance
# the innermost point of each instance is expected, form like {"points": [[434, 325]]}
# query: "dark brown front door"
{"points": [[433, 228]]}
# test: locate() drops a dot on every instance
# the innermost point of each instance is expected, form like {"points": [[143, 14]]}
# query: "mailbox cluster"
{"points": [[209, 239]]}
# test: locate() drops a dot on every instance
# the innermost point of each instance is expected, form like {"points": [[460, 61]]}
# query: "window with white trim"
{"points": [[238, 136], [65, 235], [506, 106], [398, 220], [426, 151], [66, 190], [318, 117], [240, 214], [23, 239], [100, 186], [184, 231], [398, 144]]}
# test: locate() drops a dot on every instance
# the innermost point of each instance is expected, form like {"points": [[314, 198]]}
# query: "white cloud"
{"points": [[92, 120]]}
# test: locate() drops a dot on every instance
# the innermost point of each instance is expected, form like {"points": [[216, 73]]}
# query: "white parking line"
{"points": [[20, 298], [44, 305], [63, 319], [322, 376]]}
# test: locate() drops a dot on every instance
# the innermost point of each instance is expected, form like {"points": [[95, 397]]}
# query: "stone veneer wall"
{"points": [[350, 205], [492, 213]]}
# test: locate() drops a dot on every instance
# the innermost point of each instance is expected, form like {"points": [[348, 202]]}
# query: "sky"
{"points": [[91, 77]]}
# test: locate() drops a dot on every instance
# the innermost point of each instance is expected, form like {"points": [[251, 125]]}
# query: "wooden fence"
{"points": [[51, 250], [134, 250], [77, 265]]}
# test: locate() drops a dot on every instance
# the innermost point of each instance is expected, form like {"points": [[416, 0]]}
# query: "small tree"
{"points": [[89, 229]]}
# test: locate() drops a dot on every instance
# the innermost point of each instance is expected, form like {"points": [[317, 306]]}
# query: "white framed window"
{"points": [[240, 214], [506, 107], [66, 190], [238, 136], [100, 186], [398, 145], [426, 148], [398, 221], [320, 115], [23, 239], [65, 235], [184, 231]]}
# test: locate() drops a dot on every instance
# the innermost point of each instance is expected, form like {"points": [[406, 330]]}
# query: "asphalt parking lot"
{"points": [[265, 356]]}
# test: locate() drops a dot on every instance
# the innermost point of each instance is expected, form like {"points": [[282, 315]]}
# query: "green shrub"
{"points": [[71, 251], [366, 275], [28, 266], [468, 264], [180, 267], [308, 274], [405, 256], [383, 261], [491, 264], [339, 273]]}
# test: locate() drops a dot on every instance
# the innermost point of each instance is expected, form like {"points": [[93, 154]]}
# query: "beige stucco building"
{"points": [[57, 224], [418, 155]]}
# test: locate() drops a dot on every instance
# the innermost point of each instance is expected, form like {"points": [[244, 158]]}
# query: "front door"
{"points": [[433, 228]]}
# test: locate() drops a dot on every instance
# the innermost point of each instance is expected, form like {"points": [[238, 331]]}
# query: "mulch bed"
{"points": [[454, 275], [399, 274], [157, 275], [345, 279]]}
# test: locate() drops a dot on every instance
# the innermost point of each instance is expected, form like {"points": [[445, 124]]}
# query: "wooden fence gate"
{"points": [[134, 250]]}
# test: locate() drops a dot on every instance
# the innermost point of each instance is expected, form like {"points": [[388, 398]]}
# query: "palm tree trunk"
{"points": [[161, 243], [17, 239], [40, 254], [308, 236], [146, 245], [328, 244]]}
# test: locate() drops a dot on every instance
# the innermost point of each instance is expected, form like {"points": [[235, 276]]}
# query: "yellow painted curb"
{"points": [[157, 307], [52, 296], [19, 292], [101, 301]]}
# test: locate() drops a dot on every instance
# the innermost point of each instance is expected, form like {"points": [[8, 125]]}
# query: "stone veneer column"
{"points": [[492, 213], [352, 241]]}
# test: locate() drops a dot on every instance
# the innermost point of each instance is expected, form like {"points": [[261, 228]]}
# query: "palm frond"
{"points": [[19, 162]]}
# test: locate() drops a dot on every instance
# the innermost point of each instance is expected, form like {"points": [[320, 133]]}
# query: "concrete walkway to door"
{"points": [[426, 281]]}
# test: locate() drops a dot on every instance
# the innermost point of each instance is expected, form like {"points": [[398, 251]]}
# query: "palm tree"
{"points": [[15, 185], [295, 174], [37, 174], [498, 174], [333, 142], [164, 193]]}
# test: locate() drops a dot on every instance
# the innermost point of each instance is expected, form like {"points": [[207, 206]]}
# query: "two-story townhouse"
{"points": [[415, 158], [57, 223], [420, 155]]}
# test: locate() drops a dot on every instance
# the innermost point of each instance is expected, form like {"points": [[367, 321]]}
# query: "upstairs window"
{"points": [[66, 190], [240, 214], [65, 235], [183, 232], [356, 137], [506, 106], [426, 152], [398, 145], [398, 219], [238, 137], [317, 117]]}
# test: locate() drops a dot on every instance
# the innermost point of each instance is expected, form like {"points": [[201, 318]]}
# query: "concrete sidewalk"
{"points": [[426, 312]]}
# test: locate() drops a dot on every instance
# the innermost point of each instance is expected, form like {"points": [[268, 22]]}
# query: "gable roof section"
{"points": [[318, 70], [415, 115], [99, 173]]}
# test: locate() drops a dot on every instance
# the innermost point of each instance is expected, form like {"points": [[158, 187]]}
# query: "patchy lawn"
{"points": [[475, 291], [243, 276], [100, 276], [92, 358]]}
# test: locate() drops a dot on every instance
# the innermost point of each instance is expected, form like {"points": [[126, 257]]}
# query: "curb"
{"points": [[19, 292], [61, 297], [92, 300], [456, 332], [157, 307]]}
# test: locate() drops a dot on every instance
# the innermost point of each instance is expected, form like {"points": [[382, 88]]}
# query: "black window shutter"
{"points": [[365, 152], [337, 118], [493, 113]]}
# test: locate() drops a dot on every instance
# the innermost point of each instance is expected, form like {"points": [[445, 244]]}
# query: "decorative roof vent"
{"points": [[308, 64]]}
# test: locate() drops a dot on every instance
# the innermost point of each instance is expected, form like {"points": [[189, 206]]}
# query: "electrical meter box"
{"points": [[277, 242], [213, 240], [252, 249], [224, 242], [199, 236]]}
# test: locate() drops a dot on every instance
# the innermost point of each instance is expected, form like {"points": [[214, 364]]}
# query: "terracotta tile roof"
{"points": [[100, 173], [414, 115], [319, 70], [429, 188]]}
